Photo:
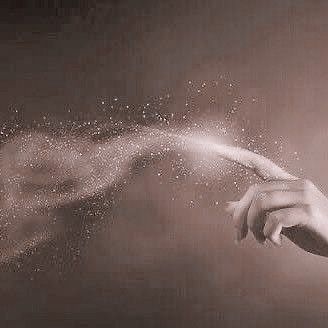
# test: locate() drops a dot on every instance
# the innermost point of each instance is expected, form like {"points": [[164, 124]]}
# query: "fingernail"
{"points": [[260, 240], [237, 242], [277, 242]]}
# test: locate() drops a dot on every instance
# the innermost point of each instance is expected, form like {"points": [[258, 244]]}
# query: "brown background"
{"points": [[158, 262]]}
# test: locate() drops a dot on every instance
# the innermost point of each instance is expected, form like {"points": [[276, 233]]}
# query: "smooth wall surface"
{"points": [[159, 262]]}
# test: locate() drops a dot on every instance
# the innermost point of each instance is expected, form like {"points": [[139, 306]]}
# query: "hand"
{"points": [[296, 209]]}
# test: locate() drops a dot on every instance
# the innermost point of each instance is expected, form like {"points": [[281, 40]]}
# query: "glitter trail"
{"points": [[262, 166], [40, 173]]}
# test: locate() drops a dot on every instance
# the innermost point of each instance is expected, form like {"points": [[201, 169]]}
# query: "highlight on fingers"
{"points": [[251, 211], [267, 208]]}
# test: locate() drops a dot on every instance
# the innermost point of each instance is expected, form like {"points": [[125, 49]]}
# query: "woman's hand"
{"points": [[296, 209]]}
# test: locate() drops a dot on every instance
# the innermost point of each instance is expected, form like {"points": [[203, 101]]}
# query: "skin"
{"points": [[295, 208]]}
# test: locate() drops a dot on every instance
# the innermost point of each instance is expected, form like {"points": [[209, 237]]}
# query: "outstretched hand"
{"points": [[293, 208]]}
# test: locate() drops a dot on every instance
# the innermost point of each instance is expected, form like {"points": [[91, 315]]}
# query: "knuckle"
{"points": [[308, 214], [273, 217], [305, 195], [308, 194], [307, 184]]}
